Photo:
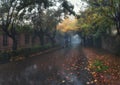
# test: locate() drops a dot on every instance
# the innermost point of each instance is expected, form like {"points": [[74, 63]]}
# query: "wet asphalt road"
{"points": [[67, 66]]}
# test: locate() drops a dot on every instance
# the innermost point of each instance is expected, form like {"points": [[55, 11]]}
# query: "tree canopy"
{"points": [[13, 14], [109, 9], [67, 25], [100, 16]]}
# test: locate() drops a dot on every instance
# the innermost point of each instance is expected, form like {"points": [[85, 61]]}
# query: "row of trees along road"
{"points": [[13, 14], [99, 17]]}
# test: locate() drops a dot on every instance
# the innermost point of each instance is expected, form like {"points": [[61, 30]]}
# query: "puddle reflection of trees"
{"points": [[68, 68], [74, 73]]}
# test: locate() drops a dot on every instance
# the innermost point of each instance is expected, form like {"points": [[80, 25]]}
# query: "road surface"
{"points": [[67, 66]]}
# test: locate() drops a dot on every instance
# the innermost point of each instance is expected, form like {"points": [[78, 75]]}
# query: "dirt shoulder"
{"points": [[110, 76]]}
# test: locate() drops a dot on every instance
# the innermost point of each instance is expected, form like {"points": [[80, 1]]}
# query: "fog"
{"points": [[75, 39]]}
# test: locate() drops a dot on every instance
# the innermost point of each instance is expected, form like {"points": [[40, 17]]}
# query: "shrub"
{"points": [[4, 57], [26, 52], [98, 66]]}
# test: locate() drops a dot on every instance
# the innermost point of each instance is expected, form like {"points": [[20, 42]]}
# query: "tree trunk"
{"points": [[41, 37], [14, 45], [118, 31], [52, 41], [117, 23]]}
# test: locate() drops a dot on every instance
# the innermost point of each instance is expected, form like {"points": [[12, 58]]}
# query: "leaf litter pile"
{"points": [[105, 67]]}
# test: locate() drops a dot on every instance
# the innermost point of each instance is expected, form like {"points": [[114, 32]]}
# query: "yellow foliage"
{"points": [[68, 24]]}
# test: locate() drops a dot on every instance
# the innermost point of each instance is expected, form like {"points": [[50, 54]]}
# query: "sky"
{"points": [[78, 5]]}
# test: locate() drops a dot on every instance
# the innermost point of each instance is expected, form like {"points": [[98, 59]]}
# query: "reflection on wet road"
{"points": [[66, 66]]}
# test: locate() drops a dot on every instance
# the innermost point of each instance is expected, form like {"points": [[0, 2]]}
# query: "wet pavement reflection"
{"points": [[67, 66]]}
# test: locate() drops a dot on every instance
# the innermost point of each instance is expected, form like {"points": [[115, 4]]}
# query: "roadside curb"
{"points": [[46, 51]]}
